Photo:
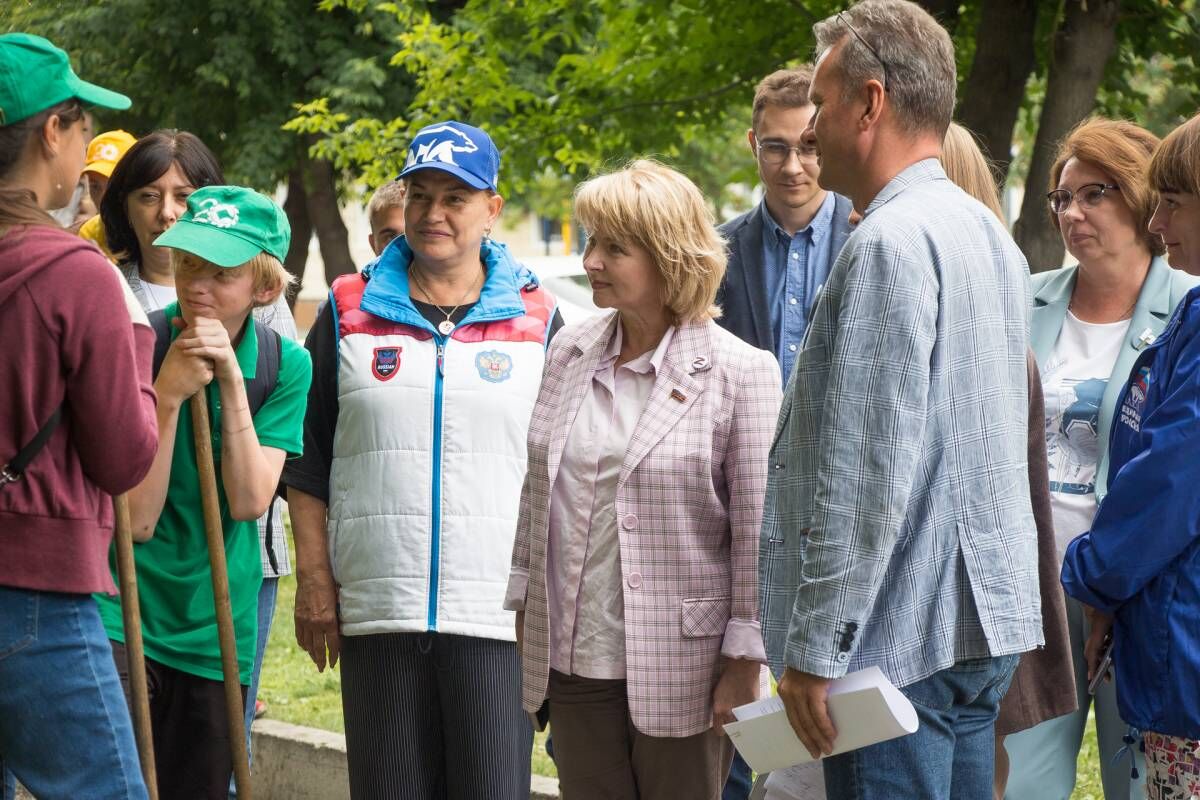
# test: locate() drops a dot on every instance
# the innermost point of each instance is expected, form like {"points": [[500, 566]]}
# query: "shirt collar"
{"points": [[818, 227], [923, 171], [642, 363]]}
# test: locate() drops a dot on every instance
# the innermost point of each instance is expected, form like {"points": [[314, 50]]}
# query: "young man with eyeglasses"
{"points": [[781, 250]]}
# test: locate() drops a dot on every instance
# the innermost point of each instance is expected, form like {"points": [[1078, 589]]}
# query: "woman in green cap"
{"points": [[70, 369]]}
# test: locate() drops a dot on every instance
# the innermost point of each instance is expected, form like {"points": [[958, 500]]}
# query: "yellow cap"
{"points": [[106, 150]]}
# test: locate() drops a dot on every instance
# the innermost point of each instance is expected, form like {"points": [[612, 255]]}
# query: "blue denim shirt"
{"points": [[795, 268]]}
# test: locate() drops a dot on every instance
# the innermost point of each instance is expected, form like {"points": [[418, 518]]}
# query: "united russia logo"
{"points": [[494, 366], [386, 362]]}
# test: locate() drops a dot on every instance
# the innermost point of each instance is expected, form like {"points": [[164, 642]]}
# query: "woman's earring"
{"points": [[487, 234]]}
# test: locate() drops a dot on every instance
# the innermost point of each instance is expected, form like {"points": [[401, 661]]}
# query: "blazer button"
{"points": [[629, 521], [842, 658], [635, 580]]}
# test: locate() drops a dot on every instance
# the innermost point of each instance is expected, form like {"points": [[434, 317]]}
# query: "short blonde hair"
{"points": [[1175, 166], [266, 271], [661, 211], [1122, 150], [389, 195], [969, 168]]}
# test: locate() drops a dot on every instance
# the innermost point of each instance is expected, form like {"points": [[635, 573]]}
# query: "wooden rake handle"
{"points": [[234, 708], [132, 617]]}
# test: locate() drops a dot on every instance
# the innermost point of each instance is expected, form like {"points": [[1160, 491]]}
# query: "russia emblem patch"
{"points": [[494, 366], [386, 362]]}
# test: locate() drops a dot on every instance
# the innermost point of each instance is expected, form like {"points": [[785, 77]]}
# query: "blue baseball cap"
{"points": [[466, 152]]}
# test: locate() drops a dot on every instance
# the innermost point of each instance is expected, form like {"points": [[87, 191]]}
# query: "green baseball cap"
{"points": [[35, 75], [228, 226]]}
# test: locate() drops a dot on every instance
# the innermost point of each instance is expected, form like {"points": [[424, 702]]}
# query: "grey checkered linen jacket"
{"points": [[897, 529]]}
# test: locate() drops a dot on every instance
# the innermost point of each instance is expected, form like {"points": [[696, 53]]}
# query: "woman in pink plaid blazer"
{"points": [[636, 558]]}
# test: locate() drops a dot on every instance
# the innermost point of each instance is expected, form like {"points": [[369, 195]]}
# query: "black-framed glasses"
{"points": [[777, 153], [841, 17], [1088, 196]]}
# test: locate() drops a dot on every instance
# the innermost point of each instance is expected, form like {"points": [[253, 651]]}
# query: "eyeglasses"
{"points": [[777, 153], [1089, 196], [841, 17]]}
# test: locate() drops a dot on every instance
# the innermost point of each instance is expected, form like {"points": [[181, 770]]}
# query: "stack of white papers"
{"points": [[865, 709]]}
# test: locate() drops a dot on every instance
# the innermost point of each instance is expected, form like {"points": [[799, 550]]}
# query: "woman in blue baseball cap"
{"points": [[404, 505], [70, 369]]}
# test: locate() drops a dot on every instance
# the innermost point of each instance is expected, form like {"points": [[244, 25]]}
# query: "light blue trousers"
{"points": [[1043, 758]]}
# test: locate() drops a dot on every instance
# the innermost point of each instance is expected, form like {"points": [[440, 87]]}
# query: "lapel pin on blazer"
{"points": [[1147, 338], [678, 395]]}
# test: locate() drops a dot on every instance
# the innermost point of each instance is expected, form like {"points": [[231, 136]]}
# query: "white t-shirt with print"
{"points": [[1073, 380]]}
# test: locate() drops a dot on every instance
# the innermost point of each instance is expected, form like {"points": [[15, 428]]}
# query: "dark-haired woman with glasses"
{"points": [[1088, 325]]}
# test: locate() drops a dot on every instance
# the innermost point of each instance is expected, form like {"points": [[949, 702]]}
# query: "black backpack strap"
{"points": [[162, 338], [258, 389], [266, 371], [14, 469], [272, 559]]}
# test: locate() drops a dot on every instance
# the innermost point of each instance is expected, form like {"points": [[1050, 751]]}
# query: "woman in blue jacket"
{"points": [[1139, 565], [1089, 322]]}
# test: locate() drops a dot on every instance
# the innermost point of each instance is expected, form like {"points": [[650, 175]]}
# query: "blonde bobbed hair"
{"points": [[967, 166], [661, 211]]}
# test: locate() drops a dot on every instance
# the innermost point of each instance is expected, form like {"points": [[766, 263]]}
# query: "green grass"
{"points": [[1087, 770], [295, 692]]}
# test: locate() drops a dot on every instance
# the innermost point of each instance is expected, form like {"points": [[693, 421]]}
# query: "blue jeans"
{"points": [[266, 613], [64, 726], [952, 754], [740, 780]]}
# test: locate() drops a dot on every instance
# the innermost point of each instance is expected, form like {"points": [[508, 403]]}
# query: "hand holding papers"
{"points": [[865, 709]]}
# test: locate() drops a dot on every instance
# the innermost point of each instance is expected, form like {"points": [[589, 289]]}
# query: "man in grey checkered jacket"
{"points": [[898, 530]]}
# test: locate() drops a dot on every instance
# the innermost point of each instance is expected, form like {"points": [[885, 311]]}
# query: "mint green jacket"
{"points": [[1162, 291]]}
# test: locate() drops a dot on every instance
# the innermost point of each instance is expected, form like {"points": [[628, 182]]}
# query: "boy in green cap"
{"points": [[227, 252]]}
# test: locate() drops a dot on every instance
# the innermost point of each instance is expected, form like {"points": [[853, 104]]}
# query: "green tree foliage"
{"points": [[230, 71], [570, 87], [574, 87]]}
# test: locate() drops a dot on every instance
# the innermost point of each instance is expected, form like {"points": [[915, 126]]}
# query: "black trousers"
{"points": [[191, 730], [433, 716]]}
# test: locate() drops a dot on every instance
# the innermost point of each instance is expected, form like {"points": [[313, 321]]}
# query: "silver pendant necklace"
{"points": [[446, 326]]}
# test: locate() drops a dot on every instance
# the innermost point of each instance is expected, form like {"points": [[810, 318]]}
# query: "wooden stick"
{"points": [[234, 705], [132, 615]]}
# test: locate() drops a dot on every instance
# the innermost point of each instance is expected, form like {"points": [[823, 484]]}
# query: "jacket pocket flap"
{"points": [[704, 616]]}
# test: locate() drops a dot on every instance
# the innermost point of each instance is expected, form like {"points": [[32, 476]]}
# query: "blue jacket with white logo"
{"points": [[1141, 559]]}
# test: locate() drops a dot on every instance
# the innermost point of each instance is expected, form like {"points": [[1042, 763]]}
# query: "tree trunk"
{"points": [[326, 216], [995, 87], [944, 11], [296, 208], [1083, 44]]}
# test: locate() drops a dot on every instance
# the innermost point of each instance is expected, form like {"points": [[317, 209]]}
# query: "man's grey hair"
{"points": [[389, 195], [917, 58]]}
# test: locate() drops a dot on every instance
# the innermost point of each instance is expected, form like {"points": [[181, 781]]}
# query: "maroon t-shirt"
{"points": [[66, 339]]}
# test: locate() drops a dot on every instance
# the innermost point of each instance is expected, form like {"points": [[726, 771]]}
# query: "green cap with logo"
{"points": [[228, 226], [35, 75]]}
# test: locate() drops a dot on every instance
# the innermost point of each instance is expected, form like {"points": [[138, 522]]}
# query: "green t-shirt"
{"points": [[179, 622]]}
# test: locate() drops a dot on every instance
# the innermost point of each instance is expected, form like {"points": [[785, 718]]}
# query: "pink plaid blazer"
{"points": [[689, 506]]}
